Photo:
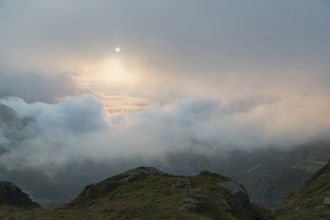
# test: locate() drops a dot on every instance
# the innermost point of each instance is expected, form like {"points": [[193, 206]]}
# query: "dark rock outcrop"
{"points": [[10, 194], [237, 191], [143, 170], [183, 183], [125, 177]]}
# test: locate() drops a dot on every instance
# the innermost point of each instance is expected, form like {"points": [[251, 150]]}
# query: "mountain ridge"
{"points": [[11, 195], [148, 193]]}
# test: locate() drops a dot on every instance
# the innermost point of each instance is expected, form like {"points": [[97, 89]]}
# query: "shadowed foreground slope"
{"points": [[147, 193], [312, 201]]}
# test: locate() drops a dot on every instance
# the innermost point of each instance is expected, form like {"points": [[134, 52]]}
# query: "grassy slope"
{"points": [[308, 202], [145, 197]]}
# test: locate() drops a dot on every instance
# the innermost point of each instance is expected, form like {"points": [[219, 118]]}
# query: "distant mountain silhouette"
{"points": [[11, 195]]}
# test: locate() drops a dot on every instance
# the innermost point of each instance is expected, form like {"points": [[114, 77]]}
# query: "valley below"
{"points": [[276, 184]]}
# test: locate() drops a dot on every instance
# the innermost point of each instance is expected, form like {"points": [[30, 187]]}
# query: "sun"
{"points": [[111, 71]]}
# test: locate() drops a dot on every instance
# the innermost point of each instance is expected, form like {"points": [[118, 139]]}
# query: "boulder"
{"points": [[238, 193], [196, 203], [326, 201], [183, 183], [144, 170]]}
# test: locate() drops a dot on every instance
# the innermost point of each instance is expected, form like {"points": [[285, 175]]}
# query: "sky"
{"points": [[224, 74]]}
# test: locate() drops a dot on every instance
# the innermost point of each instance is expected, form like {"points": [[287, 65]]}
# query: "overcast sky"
{"points": [[225, 73]]}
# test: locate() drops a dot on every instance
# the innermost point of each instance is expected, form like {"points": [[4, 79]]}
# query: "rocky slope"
{"points": [[11, 195], [312, 201], [147, 193], [269, 174]]}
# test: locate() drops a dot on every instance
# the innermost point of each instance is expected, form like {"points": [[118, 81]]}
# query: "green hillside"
{"points": [[312, 201], [147, 193]]}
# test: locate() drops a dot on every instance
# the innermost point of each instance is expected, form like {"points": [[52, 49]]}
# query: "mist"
{"points": [[206, 78], [79, 128], [46, 88]]}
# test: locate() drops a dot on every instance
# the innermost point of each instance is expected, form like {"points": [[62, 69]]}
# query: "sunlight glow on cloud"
{"points": [[74, 114], [164, 75]]}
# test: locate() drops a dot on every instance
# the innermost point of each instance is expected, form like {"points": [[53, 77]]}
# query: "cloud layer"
{"points": [[79, 128], [73, 114], [215, 74]]}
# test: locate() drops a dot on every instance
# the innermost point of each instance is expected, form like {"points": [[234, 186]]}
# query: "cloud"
{"points": [[13, 129], [124, 103], [74, 114], [217, 74], [34, 87], [174, 50], [78, 128], [41, 134]]}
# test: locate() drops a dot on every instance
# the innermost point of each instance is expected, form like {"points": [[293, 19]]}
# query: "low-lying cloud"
{"points": [[79, 128], [13, 128], [72, 114], [215, 75]]}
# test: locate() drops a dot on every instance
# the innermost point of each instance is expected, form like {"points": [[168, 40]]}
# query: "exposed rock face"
{"points": [[197, 203], [183, 183], [239, 194], [327, 201], [125, 177], [12, 195], [144, 170]]}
